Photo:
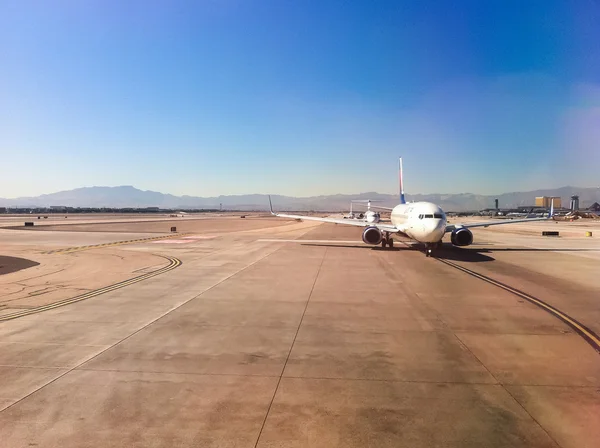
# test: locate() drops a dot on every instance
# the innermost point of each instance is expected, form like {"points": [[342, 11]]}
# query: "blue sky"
{"points": [[304, 97]]}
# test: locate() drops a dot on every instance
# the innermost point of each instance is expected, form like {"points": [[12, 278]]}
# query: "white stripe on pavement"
{"points": [[308, 241]]}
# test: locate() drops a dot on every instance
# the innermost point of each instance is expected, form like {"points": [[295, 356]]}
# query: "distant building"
{"points": [[58, 207], [595, 207], [574, 206], [546, 201]]}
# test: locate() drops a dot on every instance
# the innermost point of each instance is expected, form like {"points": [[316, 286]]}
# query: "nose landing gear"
{"points": [[428, 250], [430, 247]]}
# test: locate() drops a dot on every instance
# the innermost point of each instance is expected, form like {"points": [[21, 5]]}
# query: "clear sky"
{"points": [[299, 97]]}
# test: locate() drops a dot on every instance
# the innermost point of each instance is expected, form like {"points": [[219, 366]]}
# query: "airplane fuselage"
{"points": [[372, 217], [422, 221]]}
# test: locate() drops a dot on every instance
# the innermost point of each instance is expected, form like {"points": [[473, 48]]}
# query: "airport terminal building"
{"points": [[546, 201]]}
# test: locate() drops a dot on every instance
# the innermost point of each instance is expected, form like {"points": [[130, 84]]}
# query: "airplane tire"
{"points": [[390, 243], [383, 242]]}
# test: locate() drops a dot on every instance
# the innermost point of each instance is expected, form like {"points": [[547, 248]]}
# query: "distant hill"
{"points": [[128, 196]]}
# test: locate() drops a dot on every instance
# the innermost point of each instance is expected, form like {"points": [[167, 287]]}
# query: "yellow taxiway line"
{"points": [[591, 338], [173, 263], [69, 250]]}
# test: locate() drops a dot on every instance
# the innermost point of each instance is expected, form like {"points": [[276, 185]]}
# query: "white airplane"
{"points": [[369, 216], [353, 215], [423, 222]]}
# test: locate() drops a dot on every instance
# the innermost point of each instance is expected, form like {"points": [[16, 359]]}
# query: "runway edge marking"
{"points": [[587, 334], [173, 263]]}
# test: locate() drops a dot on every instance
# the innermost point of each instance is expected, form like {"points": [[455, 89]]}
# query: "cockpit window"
{"points": [[420, 216], [428, 216], [437, 215]]}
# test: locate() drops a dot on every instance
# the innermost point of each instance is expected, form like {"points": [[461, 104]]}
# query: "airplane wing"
{"points": [[348, 222], [382, 208], [453, 227]]}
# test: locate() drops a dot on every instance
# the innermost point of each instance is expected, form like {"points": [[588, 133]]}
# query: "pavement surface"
{"points": [[315, 340]]}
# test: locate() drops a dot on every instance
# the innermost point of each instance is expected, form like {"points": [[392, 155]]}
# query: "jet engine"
{"points": [[372, 217], [372, 235], [461, 237]]}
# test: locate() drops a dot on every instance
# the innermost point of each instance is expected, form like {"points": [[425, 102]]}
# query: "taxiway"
{"points": [[290, 334]]}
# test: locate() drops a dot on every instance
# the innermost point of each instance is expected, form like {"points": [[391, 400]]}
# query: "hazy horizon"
{"points": [[300, 197], [299, 98]]}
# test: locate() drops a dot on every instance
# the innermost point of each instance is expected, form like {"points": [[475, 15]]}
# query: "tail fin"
{"points": [[402, 200], [271, 206], [551, 214]]}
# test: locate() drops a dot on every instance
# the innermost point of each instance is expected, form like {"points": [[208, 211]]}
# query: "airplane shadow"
{"points": [[445, 253], [451, 253], [534, 249], [477, 255], [347, 246]]}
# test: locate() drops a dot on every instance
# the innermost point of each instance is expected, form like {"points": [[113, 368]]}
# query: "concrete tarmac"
{"points": [[252, 342]]}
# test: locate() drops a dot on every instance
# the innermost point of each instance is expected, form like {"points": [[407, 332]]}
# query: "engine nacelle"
{"points": [[372, 217], [372, 235], [461, 237]]}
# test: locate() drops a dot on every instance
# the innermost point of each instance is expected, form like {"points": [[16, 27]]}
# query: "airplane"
{"points": [[370, 216], [353, 215], [423, 222]]}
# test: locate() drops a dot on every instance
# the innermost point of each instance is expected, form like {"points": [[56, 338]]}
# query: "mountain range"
{"points": [[128, 196]]}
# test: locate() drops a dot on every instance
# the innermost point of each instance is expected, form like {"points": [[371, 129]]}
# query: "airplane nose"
{"points": [[437, 230], [441, 228], [430, 231]]}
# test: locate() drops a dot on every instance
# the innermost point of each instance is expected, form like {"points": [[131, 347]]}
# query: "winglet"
{"points": [[551, 209], [271, 206]]}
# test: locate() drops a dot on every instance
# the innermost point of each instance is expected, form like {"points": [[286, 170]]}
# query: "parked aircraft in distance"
{"points": [[369, 216], [353, 215], [423, 222]]}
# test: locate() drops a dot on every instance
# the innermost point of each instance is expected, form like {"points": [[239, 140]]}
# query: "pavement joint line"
{"points": [[290, 351], [173, 263], [587, 334], [168, 372], [506, 389], [51, 343], [325, 378]]}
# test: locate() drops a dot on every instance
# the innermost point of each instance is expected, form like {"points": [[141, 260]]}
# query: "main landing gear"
{"points": [[387, 241]]}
